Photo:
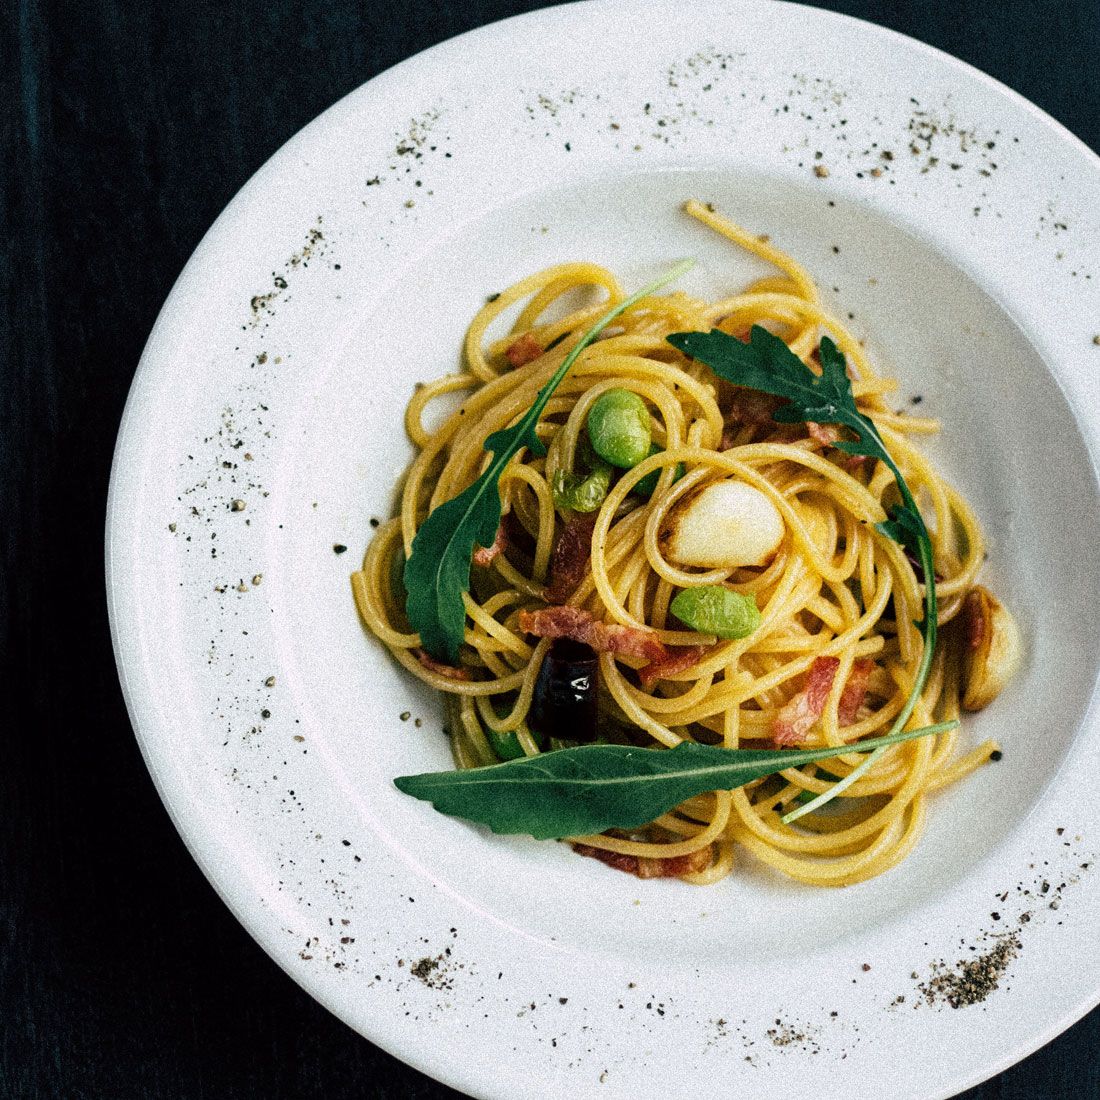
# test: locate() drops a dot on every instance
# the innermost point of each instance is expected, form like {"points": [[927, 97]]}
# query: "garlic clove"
{"points": [[993, 649], [727, 525]]}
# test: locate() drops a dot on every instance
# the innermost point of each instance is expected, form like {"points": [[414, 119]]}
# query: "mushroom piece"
{"points": [[727, 525], [993, 649]]}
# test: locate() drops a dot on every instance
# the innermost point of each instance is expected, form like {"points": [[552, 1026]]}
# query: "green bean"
{"points": [[581, 493], [619, 428], [712, 609], [645, 487]]}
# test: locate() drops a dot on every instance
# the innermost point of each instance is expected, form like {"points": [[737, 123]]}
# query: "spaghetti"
{"points": [[836, 651]]}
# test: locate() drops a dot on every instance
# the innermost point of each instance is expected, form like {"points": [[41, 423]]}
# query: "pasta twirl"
{"points": [[833, 653]]}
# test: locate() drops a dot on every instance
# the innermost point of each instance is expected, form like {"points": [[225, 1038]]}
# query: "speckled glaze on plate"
{"points": [[950, 220]]}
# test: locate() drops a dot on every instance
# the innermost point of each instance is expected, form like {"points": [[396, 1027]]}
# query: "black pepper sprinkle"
{"points": [[338, 548], [265, 714], [996, 755], [972, 980]]}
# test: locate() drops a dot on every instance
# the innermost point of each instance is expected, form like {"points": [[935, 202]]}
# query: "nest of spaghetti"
{"points": [[584, 579]]}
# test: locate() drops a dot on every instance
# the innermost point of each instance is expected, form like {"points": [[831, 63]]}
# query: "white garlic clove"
{"points": [[727, 525], [993, 649]]}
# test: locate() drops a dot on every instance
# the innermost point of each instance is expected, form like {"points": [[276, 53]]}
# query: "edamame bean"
{"points": [[712, 609], [619, 428], [580, 492]]}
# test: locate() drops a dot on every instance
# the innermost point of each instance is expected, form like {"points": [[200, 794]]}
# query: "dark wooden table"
{"points": [[126, 127]]}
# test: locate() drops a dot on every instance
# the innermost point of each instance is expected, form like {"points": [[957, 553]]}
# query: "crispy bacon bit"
{"points": [[828, 434], [744, 408], [569, 561], [825, 434], [679, 659], [452, 672], [484, 555], [851, 698], [797, 717], [646, 867], [974, 608], [523, 350], [581, 626]]}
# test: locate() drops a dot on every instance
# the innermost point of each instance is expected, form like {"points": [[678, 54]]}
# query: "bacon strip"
{"points": [[582, 626], [825, 434], [678, 659], [851, 698], [798, 716], [452, 672], [973, 618], [484, 555], [523, 351], [744, 408], [646, 867], [569, 561]]}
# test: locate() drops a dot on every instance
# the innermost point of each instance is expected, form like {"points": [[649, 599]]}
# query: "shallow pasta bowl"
{"points": [[946, 218]]}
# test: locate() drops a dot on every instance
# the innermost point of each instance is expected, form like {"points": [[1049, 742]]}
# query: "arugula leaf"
{"points": [[437, 573], [590, 788], [766, 363]]}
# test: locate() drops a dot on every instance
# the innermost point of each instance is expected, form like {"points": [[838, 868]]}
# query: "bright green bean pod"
{"points": [[619, 428], [581, 493], [712, 609]]}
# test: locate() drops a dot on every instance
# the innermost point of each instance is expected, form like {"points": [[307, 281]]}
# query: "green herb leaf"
{"points": [[437, 573], [590, 788], [766, 363]]}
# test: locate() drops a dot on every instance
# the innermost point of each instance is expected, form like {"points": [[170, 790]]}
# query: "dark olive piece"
{"points": [[564, 701]]}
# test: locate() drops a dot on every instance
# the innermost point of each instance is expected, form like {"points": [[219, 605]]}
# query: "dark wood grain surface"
{"points": [[126, 126]]}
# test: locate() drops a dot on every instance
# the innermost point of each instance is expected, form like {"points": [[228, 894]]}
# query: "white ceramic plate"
{"points": [[954, 221]]}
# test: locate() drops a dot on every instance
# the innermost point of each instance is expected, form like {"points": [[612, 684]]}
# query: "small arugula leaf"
{"points": [[590, 788], [905, 527], [435, 583], [437, 573]]}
